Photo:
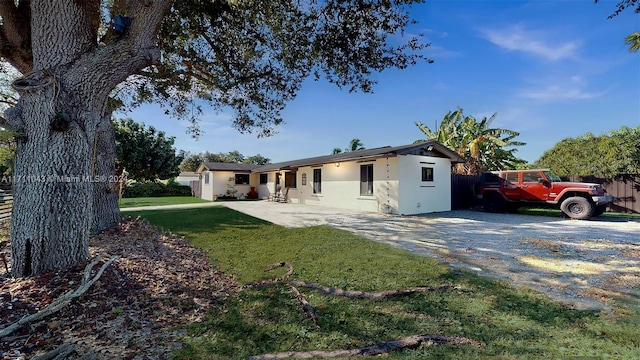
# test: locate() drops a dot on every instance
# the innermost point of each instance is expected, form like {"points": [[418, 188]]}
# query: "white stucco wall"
{"points": [[207, 189], [219, 184], [264, 190], [341, 186], [416, 196]]}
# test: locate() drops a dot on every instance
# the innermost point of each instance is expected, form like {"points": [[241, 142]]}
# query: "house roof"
{"points": [[429, 148], [188, 173], [217, 166]]}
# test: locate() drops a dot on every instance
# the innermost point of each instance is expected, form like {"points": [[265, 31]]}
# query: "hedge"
{"points": [[155, 189]]}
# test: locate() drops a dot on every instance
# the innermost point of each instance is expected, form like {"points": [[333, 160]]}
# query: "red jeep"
{"points": [[507, 190]]}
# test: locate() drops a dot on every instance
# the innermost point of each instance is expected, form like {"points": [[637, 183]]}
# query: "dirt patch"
{"points": [[158, 283]]}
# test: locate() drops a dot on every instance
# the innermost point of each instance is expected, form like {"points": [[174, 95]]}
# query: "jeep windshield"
{"points": [[551, 176]]}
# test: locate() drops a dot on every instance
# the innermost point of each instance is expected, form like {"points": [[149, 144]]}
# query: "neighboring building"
{"points": [[225, 179], [186, 177], [409, 179]]}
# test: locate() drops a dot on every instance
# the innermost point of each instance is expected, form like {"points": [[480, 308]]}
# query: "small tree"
{"points": [[354, 145], [257, 160], [145, 153], [484, 148], [608, 155], [191, 162]]}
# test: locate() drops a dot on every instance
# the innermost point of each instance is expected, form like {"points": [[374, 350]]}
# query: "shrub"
{"points": [[155, 189]]}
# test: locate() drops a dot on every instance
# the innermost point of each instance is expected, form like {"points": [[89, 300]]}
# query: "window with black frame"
{"points": [[366, 180], [427, 174], [317, 181], [242, 179]]}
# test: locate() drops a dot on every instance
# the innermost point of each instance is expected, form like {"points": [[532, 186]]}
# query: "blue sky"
{"points": [[550, 69]]}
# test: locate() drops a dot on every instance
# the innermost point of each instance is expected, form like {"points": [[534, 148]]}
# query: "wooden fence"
{"points": [[196, 188], [6, 201], [462, 193], [625, 188]]}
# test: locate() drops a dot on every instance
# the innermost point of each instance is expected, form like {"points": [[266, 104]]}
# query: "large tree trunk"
{"points": [[60, 116], [52, 185], [106, 213]]}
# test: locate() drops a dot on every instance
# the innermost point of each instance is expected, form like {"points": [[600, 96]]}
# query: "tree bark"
{"points": [[52, 195], [106, 213], [60, 117]]}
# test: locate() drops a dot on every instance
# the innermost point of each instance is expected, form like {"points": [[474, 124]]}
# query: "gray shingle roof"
{"points": [[217, 166], [421, 148]]}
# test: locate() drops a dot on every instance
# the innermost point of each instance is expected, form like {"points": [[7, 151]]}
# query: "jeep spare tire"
{"points": [[577, 207]]}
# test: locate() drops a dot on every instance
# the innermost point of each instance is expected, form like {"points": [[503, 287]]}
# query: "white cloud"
{"points": [[573, 88], [435, 51], [517, 38]]}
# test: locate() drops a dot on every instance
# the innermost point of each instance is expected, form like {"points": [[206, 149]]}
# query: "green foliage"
{"points": [[7, 151], [633, 40], [606, 155], [354, 145], [511, 323], [483, 148], [191, 162], [253, 56], [155, 189], [257, 160], [145, 153]]}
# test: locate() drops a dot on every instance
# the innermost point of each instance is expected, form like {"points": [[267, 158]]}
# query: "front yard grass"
{"points": [[511, 323], [156, 201]]}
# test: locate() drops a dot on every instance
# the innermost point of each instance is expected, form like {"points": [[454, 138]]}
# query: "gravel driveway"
{"points": [[583, 264]]}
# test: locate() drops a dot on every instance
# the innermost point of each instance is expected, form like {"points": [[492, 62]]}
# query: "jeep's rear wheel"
{"points": [[577, 207], [493, 202]]}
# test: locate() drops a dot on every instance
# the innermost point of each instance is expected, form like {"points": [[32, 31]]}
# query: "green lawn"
{"points": [[154, 201], [512, 324]]}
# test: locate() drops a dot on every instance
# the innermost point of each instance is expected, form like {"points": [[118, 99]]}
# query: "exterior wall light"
{"points": [[337, 164]]}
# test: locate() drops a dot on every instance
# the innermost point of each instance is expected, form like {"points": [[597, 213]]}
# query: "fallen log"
{"points": [[306, 307], [56, 354], [409, 342], [381, 295], [272, 281]]}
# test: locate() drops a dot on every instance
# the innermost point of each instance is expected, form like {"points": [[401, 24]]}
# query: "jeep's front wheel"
{"points": [[493, 203], [577, 207]]}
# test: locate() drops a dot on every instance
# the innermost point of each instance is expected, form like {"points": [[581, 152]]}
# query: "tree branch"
{"points": [[56, 354], [138, 48], [382, 295], [15, 34], [409, 342], [62, 301]]}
